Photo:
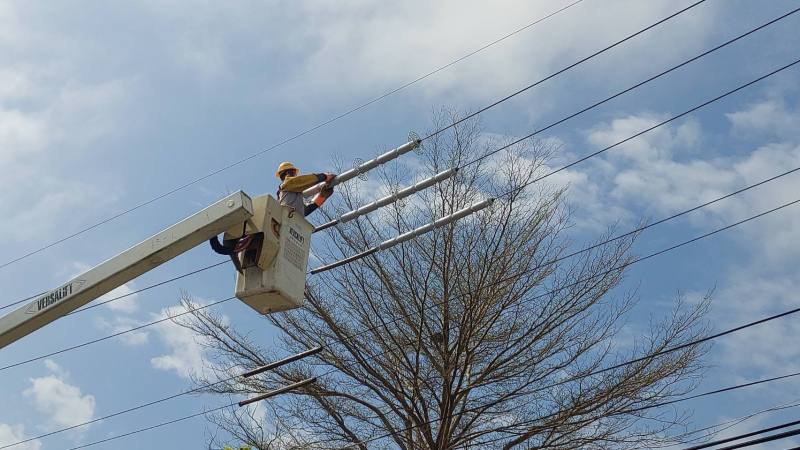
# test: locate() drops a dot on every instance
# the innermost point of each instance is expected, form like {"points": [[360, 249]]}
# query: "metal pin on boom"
{"points": [[389, 199], [367, 166], [409, 235]]}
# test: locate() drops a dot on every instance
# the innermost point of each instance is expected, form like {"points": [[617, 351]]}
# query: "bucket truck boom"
{"points": [[272, 248], [149, 254]]}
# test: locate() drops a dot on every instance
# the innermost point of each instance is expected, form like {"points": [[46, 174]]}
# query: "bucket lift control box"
{"points": [[274, 264]]}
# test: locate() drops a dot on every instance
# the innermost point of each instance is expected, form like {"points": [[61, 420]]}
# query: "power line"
{"points": [[786, 173], [120, 333], [673, 68], [22, 300], [229, 405], [660, 124], [720, 427], [559, 72], [672, 349], [162, 424], [374, 250], [595, 246], [618, 94], [146, 288], [667, 403], [137, 291], [745, 435], [551, 262], [671, 119], [159, 425], [774, 437], [642, 83], [289, 139]]}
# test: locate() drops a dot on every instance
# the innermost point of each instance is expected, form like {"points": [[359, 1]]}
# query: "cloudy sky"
{"points": [[104, 105]]}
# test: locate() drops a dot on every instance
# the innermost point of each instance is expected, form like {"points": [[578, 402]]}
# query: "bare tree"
{"points": [[474, 336]]}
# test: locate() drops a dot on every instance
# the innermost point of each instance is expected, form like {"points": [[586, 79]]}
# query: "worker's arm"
{"points": [[302, 182], [319, 199]]}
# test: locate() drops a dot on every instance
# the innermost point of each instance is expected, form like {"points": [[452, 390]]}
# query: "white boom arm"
{"points": [[147, 255]]}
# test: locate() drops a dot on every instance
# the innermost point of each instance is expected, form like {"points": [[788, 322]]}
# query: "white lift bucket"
{"points": [[274, 266]]}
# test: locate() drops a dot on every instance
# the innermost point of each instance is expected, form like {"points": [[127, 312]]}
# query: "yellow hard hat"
{"points": [[286, 165]]}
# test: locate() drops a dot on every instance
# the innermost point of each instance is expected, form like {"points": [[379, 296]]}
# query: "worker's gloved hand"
{"points": [[323, 195], [319, 199], [329, 177]]}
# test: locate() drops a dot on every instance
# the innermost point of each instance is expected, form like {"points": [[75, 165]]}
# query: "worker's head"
{"points": [[286, 169]]}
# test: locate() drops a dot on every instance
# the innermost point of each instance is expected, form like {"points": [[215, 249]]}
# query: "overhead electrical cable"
{"points": [[229, 299], [128, 294], [230, 405], [745, 435], [670, 402], [669, 350], [559, 72], [554, 261], [780, 175], [290, 139], [117, 334], [148, 287], [270, 394], [654, 77], [774, 437], [152, 427], [633, 361], [671, 119], [21, 301], [353, 259], [373, 250], [713, 430], [678, 347], [450, 172]]}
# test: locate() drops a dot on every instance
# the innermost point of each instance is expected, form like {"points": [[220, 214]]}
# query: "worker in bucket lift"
{"points": [[290, 192]]}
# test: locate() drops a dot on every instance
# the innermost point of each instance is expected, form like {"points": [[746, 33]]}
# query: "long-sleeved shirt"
{"points": [[290, 192]]}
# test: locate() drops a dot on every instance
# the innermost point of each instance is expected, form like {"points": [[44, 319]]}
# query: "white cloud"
{"points": [[20, 135], [351, 50], [49, 113], [767, 117], [11, 434], [123, 324], [664, 172], [52, 366], [661, 143], [124, 305], [760, 351], [61, 403], [186, 353], [390, 46]]}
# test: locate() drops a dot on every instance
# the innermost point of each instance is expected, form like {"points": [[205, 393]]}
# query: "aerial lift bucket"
{"points": [[274, 263]]}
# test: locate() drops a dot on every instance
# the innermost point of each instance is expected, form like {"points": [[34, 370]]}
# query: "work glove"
{"points": [[323, 195], [329, 177]]}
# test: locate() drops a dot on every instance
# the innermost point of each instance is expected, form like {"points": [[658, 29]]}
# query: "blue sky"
{"points": [[104, 105]]}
